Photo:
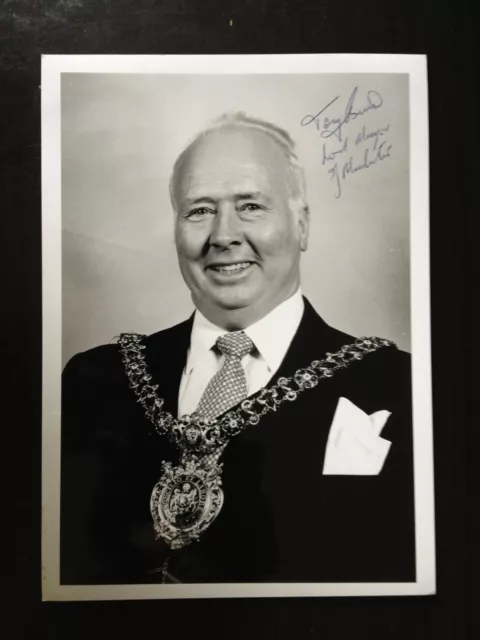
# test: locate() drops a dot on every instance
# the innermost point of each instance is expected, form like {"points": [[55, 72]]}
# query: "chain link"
{"points": [[202, 436]]}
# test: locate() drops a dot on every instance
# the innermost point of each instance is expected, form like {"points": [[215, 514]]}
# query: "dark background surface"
{"points": [[446, 32]]}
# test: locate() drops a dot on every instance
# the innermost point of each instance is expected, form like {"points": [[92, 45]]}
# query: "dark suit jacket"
{"points": [[282, 520]]}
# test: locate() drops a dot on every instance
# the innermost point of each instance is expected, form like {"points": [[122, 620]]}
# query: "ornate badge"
{"points": [[185, 501]]}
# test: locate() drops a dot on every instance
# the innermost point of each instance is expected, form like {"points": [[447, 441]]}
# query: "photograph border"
{"points": [[413, 65]]}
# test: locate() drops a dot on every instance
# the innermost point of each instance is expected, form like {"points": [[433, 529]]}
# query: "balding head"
{"points": [[247, 127]]}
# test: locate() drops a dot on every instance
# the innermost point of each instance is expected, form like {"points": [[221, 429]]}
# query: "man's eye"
{"points": [[199, 213], [251, 206]]}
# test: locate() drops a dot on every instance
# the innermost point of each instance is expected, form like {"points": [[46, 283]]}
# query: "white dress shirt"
{"points": [[271, 336]]}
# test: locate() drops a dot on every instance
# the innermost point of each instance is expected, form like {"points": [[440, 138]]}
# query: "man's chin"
{"points": [[233, 303], [226, 302]]}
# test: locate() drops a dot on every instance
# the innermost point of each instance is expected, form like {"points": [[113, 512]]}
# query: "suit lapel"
{"points": [[313, 339], [166, 357], [167, 352]]}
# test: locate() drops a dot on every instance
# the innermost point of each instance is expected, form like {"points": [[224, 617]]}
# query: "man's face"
{"points": [[238, 241]]}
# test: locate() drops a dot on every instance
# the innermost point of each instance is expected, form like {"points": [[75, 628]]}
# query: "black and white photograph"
{"points": [[236, 327]]}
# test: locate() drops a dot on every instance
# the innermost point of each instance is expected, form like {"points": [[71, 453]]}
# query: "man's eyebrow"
{"points": [[200, 199], [250, 195]]}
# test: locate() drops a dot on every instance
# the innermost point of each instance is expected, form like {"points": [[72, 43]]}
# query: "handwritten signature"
{"points": [[351, 150], [350, 167], [334, 126]]}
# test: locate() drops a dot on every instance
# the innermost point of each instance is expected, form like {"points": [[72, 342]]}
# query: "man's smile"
{"points": [[230, 264], [229, 269]]}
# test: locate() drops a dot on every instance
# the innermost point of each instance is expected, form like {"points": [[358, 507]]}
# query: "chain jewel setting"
{"points": [[188, 497]]}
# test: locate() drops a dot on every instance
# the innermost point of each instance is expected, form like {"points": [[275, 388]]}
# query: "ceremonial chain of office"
{"points": [[188, 497]]}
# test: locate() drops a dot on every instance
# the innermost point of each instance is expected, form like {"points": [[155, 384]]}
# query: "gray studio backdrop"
{"points": [[120, 137]]}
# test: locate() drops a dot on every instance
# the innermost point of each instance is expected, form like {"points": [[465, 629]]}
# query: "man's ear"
{"points": [[304, 226]]}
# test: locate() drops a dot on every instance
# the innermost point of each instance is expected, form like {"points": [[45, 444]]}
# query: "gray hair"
{"points": [[239, 120]]}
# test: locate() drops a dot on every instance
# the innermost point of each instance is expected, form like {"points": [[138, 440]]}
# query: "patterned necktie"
{"points": [[228, 386]]}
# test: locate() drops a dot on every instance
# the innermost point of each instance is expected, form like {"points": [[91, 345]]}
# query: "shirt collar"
{"points": [[271, 335]]}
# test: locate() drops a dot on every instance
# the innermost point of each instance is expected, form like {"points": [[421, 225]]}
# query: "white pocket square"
{"points": [[354, 445]]}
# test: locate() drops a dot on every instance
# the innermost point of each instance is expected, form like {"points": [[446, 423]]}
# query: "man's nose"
{"points": [[226, 227]]}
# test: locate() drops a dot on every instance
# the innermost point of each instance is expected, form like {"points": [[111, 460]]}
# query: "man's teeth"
{"points": [[233, 267]]}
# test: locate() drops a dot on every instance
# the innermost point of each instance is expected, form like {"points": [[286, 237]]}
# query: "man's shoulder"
{"points": [[98, 362], [171, 336], [104, 362], [381, 379], [386, 361], [384, 358], [382, 374]]}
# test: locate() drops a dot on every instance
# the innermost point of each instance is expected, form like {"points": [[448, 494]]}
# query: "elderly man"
{"points": [[251, 442]]}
